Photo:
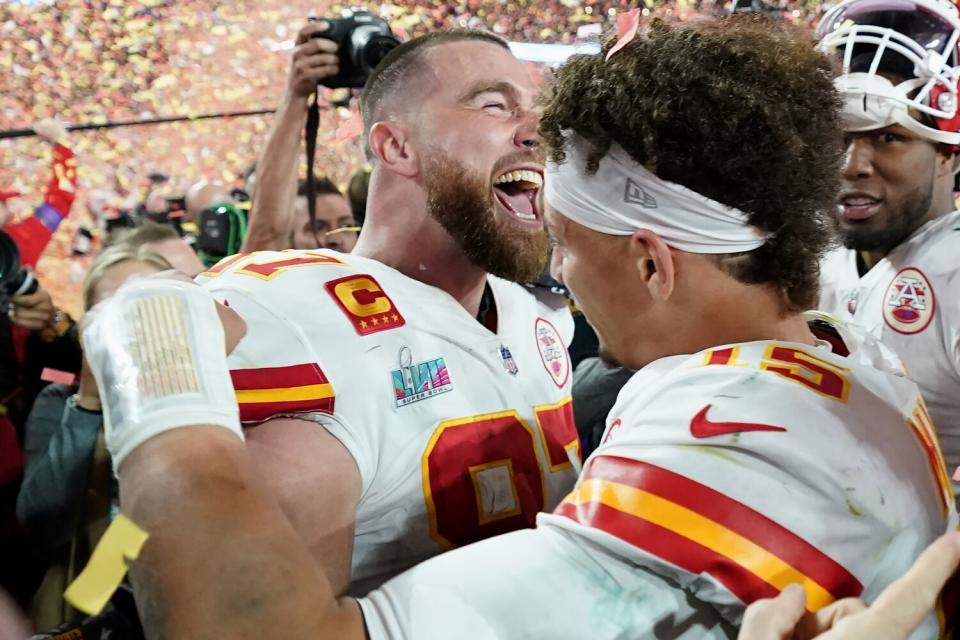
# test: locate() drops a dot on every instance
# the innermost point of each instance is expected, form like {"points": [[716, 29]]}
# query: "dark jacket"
{"points": [[59, 447], [596, 386]]}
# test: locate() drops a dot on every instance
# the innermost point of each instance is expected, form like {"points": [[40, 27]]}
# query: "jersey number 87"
{"points": [[483, 475]]}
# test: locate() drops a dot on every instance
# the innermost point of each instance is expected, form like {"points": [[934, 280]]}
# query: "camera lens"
{"points": [[369, 45], [376, 50]]}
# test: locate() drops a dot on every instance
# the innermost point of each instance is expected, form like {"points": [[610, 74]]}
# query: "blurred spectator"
{"points": [[34, 335], [68, 487], [162, 240], [357, 194], [334, 226], [32, 234], [203, 195], [596, 385]]}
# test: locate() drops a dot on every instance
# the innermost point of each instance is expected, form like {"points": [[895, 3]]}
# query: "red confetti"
{"points": [[55, 375]]}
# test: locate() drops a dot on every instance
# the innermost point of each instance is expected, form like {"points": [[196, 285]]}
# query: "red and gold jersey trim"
{"points": [[701, 530], [270, 391]]}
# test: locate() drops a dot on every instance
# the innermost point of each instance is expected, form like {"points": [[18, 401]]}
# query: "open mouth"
{"points": [[518, 191]]}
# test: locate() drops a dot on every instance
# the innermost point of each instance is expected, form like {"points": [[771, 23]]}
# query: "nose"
{"points": [[527, 136], [556, 264], [858, 159]]}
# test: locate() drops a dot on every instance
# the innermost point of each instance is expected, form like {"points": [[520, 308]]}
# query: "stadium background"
{"points": [[99, 61]]}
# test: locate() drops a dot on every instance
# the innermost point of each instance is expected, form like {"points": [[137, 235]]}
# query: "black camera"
{"points": [[363, 40], [222, 229], [14, 279]]}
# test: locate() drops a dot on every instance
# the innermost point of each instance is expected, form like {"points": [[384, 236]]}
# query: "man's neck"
{"points": [[869, 259], [749, 314], [425, 252], [943, 203]]}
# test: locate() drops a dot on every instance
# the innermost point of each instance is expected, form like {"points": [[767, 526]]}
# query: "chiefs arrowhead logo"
{"points": [[909, 302], [703, 427]]}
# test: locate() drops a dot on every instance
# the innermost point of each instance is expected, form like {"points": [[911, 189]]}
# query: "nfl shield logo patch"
{"points": [[508, 362]]}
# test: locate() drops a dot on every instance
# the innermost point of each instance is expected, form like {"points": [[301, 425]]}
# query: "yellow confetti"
{"points": [[164, 82], [121, 542]]}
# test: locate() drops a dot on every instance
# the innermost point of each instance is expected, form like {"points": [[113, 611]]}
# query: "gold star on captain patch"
{"points": [[363, 324], [395, 317], [376, 321], [385, 320]]}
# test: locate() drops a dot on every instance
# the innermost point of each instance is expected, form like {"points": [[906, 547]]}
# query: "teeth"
{"points": [[525, 216], [858, 201], [532, 177]]}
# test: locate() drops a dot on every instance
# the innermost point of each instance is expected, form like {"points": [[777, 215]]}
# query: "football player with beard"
{"points": [[754, 447], [898, 274], [410, 397]]}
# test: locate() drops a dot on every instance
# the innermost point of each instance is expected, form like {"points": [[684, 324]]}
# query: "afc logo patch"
{"points": [[365, 304], [553, 352], [909, 302]]}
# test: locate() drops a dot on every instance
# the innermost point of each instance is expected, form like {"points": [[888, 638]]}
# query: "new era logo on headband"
{"points": [[634, 194]]}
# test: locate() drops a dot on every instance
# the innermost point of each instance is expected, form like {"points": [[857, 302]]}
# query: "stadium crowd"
{"points": [[661, 342]]}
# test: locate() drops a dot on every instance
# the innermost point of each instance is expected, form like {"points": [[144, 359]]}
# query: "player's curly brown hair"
{"points": [[739, 109]]}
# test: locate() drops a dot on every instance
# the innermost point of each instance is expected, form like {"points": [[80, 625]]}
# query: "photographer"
{"points": [[33, 336], [271, 216], [33, 333]]}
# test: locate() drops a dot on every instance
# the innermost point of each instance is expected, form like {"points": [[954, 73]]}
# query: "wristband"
{"points": [[156, 348]]}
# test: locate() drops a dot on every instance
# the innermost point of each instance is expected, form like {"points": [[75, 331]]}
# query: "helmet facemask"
{"points": [[899, 65]]}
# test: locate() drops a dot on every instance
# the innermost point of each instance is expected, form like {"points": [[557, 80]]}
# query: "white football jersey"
{"points": [[723, 477], [459, 433], [910, 301]]}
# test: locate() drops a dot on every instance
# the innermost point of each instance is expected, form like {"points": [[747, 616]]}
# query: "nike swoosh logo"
{"points": [[703, 427]]}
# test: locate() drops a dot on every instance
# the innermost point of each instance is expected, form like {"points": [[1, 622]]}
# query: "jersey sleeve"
{"points": [[277, 373], [540, 583], [951, 320]]}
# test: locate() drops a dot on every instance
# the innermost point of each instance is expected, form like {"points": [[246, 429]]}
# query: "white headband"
{"points": [[622, 197]]}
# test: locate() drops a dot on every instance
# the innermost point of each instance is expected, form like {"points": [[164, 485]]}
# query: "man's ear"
{"points": [[654, 263], [392, 148]]}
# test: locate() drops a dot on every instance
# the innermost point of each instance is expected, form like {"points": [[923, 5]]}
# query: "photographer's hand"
{"points": [[34, 311], [271, 216], [313, 60]]}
